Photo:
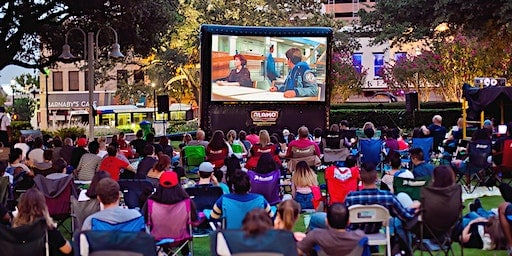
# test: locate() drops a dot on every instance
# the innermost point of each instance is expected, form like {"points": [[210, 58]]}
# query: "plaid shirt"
{"points": [[381, 197]]}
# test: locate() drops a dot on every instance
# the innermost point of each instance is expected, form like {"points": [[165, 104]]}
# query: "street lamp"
{"points": [[13, 84], [90, 55]]}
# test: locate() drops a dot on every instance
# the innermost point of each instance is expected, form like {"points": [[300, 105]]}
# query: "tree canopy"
{"points": [[412, 20], [33, 32]]}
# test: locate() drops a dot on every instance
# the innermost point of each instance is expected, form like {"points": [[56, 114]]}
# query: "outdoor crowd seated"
{"points": [[263, 146], [396, 170], [303, 149], [435, 130], [342, 180], [421, 168]]}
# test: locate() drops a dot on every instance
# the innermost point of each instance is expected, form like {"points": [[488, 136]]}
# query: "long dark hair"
{"points": [[266, 164], [443, 176], [217, 142], [99, 175]]}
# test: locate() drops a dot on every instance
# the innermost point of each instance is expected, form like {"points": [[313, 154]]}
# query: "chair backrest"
{"points": [[333, 140], [160, 227], [135, 192], [372, 213], [80, 210], [24, 240], [114, 243], [507, 154], [303, 152], [194, 155], [236, 242], [434, 211], [133, 225], [57, 192], [412, 187], [5, 190], [370, 150], [479, 151], [267, 185], [204, 196], [425, 144], [234, 211], [237, 148]]}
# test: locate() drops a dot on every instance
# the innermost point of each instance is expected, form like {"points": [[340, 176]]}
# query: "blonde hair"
{"points": [[231, 133], [288, 211], [264, 137], [32, 206], [303, 176]]}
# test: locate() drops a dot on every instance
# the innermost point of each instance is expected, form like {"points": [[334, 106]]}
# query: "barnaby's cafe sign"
{"points": [[71, 100]]}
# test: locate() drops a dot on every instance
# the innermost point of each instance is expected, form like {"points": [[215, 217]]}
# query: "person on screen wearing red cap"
{"points": [[301, 81]]}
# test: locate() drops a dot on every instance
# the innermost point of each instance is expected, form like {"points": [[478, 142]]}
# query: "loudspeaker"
{"points": [[163, 103], [411, 101]]}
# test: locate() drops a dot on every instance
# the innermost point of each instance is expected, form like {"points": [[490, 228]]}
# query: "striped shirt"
{"points": [[87, 166]]}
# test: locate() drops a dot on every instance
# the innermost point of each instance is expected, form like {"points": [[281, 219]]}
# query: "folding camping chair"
{"points": [[370, 151], [204, 196], [373, 213], [113, 243], [6, 193], [235, 242], [425, 144], [133, 225], [171, 236], [57, 189], [234, 211], [306, 154], [193, 156], [82, 209], [135, 192], [438, 221], [411, 187], [477, 168], [25, 240]]}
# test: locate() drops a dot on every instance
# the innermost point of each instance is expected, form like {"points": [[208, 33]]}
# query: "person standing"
{"points": [[271, 65], [5, 127]]}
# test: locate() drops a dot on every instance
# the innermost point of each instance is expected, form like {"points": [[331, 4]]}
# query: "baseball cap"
{"points": [[206, 167], [82, 142], [169, 179], [487, 122]]}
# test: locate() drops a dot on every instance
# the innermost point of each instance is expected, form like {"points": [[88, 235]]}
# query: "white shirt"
{"points": [[5, 120], [36, 155], [24, 149]]}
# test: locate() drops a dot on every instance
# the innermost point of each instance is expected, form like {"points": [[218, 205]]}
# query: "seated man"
{"points": [[370, 194], [107, 192], [421, 168], [334, 240], [303, 149], [234, 206], [342, 180]]}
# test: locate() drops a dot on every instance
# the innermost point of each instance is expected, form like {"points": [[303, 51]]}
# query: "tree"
{"points": [[345, 79], [33, 32], [24, 108], [402, 21]]}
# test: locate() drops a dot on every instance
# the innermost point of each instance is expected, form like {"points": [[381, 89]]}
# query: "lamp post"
{"points": [[89, 50], [13, 84], [153, 85]]}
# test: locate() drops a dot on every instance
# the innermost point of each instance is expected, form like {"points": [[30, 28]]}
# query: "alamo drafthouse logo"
{"points": [[264, 117]]}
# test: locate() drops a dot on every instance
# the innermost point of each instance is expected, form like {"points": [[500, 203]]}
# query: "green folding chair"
{"points": [[193, 156]]}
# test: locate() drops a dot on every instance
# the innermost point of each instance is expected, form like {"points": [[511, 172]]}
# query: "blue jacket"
{"points": [[302, 80]]}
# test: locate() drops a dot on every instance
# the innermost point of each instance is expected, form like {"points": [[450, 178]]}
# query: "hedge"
{"points": [[394, 114]]}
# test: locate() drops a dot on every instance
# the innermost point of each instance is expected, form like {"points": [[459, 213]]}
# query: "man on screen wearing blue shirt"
{"points": [[301, 81]]}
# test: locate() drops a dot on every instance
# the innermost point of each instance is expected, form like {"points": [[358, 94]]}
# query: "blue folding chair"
{"points": [[426, 146], [370, 151], [133, 225]]}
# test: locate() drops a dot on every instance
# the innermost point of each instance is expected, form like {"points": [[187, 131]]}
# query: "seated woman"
{"points": [[265, 179], [218, 149], [302, 180], [287, 214], [263, 146], [240, 76], [32, 206], [163, 164]]}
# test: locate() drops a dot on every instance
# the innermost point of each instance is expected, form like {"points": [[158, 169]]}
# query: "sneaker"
{"points": [[200, 232], [472, 207], [477, 204]]}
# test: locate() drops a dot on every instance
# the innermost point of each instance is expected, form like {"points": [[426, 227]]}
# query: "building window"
{"points": [[400, 55], [344, 15], [57, 80], [86, 79], [378, 64], [122, 77], [73, 81], [138, 76], [357, 61]]}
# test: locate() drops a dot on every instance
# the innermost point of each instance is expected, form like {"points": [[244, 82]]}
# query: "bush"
{"points": [[394, 114]]}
